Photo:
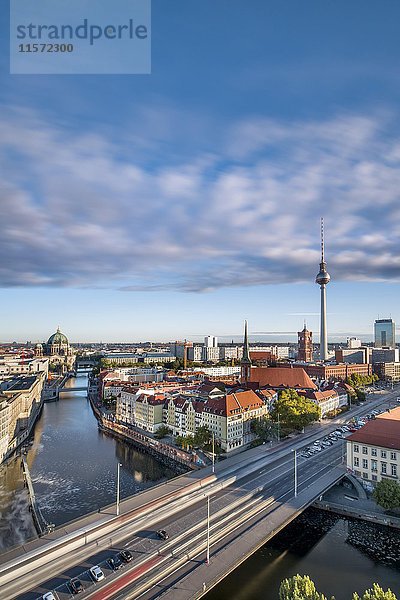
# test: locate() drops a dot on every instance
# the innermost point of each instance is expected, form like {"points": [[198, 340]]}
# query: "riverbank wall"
{"points": [[357, 512], [177, 459]]}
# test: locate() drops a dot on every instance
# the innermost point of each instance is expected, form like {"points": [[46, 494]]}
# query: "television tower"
{"points": [[323, 278]]}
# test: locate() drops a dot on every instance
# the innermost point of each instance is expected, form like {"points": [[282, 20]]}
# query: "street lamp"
{"points": [[295, 473], [208, 531], [213, 454], [279, 429], [118, 468]]}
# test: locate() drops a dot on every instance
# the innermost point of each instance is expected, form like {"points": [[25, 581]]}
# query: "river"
{"points": [[74, 467]]}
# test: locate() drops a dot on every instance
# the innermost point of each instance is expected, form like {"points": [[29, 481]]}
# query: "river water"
{"points": [[341, 556], [73, 468]]}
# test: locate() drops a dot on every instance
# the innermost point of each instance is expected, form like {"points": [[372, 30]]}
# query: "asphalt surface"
{"points": [[271, 484]]}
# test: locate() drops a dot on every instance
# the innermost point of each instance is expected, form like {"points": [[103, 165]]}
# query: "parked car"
{"points": [[96, 573], [75, 586], [115, 563], [162, 534], [49, 596], [125, 556]]}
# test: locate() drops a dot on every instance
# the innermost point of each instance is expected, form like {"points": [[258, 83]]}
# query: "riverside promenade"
{"points": [[346, 502]]}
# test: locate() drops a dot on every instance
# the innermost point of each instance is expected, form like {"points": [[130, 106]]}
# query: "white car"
{"points": [[49, 596], [96, 573]]}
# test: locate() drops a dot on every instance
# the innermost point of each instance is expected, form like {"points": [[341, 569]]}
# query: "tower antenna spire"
{"points": [[322, 240]]}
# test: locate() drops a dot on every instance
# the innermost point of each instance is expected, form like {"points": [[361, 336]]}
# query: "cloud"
{"points": [[78, 209]]}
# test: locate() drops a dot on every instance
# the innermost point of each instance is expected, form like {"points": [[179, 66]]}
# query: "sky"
{"points": [[177, 204]]}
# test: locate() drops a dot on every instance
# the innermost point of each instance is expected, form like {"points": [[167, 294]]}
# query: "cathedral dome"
{"points": [[57, 338]]}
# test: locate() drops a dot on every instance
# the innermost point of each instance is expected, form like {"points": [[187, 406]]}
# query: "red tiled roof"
{"points": [[321, 396], [393, 415], [382, 432], [281, 377], [233, 403]]}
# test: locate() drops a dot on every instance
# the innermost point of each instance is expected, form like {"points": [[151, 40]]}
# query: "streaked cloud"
{"points": [[242, 209]]}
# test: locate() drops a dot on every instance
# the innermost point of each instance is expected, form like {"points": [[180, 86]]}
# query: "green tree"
{"points": [[202, 437], [375, 593], [265, 429], [184, 441], [387, 494], [295, 411], [162, 432], [299, 587]]}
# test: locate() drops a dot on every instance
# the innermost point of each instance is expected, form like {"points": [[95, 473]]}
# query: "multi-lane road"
{"points": [[243, 491]]}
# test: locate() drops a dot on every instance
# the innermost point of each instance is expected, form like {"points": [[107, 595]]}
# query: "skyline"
{"points": [[134, 207]]}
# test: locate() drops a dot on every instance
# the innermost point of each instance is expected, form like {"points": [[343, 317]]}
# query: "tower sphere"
{"points": [[323, 276]]}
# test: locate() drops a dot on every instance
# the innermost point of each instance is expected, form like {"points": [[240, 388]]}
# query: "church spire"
{"points": [[246, 361], [246, 352]]}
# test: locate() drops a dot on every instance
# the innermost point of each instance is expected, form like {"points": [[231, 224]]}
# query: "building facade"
{"points": [[373, 452], [384, 333], [305, 346]]}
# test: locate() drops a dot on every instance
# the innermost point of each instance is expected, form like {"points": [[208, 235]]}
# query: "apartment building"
{"points": [[140, 407], [228, 416], [16, 365], [389, 371], [373, 452], [19, 405]]}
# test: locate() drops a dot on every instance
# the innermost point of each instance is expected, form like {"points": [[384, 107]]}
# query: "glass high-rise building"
{"points": [[384, 330]]}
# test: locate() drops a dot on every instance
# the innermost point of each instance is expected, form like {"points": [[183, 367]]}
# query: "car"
{"points": [[125, 556], [75, 586], [115, 563], [162, 534], [96, 573], [49, 596]]}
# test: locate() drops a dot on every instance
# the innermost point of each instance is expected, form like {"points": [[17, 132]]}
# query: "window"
{"points": [[383, 453], [356, 461], [393, 456], [374, 478], [394, 470], [356, 448], [373, 452], [374, 465], [364, 450], [365, 475], [383, 468], [365, 463]]}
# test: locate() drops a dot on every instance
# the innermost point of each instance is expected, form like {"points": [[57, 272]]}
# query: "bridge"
{"points": [[86, 362], [73, 389], [224, 516]]}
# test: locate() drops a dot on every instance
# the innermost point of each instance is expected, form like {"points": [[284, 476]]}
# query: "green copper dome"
{"points": [[57, 338]]}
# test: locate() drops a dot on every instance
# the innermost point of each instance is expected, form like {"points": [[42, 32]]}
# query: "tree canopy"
{"points": [[265, 429], [301, 587], [375, 593], [295, 411], [387, 494]]}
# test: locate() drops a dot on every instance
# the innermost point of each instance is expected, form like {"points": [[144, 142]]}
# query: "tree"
{"points": [[162, 431], [299, 587], [184, 441], [264, 428], [387, 494], [375, 593], [202, 437], [295, 411]]}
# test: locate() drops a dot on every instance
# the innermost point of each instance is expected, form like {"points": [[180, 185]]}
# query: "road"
{"points": [[240, 493]]}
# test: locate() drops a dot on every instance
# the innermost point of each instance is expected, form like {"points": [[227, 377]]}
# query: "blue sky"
{"points": [[177, 204]]}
